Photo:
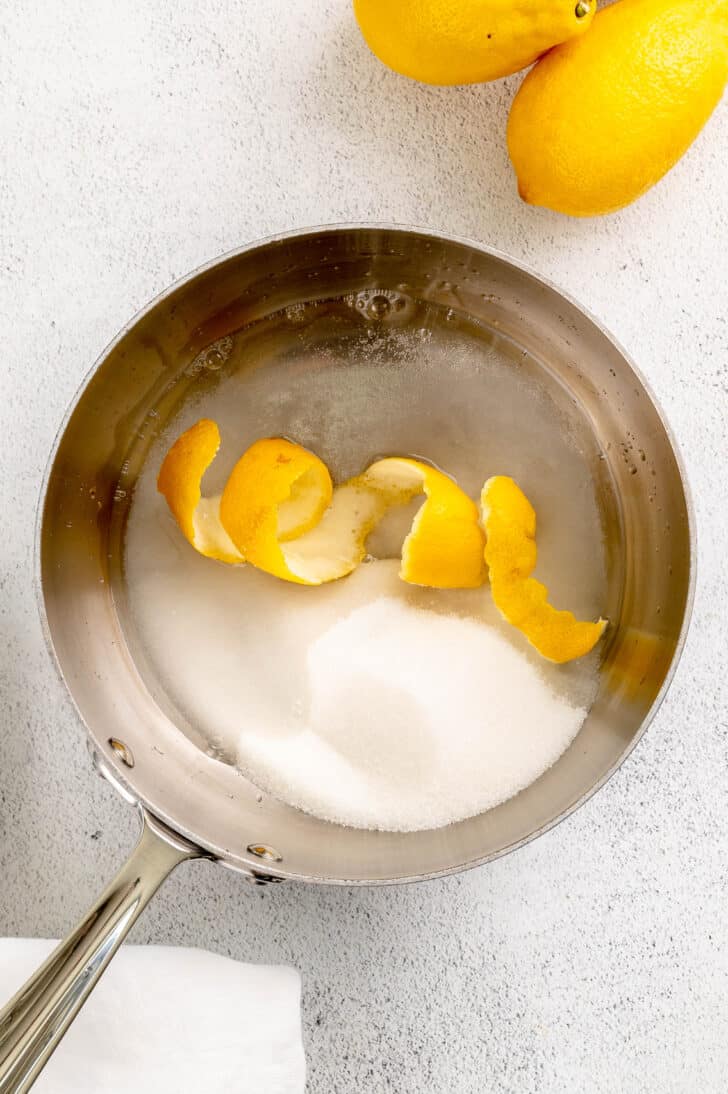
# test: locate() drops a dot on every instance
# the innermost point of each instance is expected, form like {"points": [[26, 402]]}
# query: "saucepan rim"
{"points": [[124, 782]]}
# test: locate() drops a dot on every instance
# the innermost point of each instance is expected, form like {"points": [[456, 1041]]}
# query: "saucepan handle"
{"points": [[35, 1020]]}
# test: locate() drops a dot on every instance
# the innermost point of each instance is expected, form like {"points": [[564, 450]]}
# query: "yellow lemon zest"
{"points": [[180, 480], [274, 477], [280, 512], [276, 491], [510, 527], [444, 548]]}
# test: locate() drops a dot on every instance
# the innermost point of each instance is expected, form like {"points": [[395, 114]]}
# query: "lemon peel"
{"points": [[180, 480], [510, 526], [444, 547], [280, 512], [276, 491]]}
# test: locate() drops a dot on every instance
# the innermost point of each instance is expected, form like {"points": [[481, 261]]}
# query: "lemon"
{"points": [[510, 527], [600, 119], [467, 41]]}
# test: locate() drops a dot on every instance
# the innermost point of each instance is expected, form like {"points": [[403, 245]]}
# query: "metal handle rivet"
{"points": [[122, 751], [268, 853], [582, 9]]}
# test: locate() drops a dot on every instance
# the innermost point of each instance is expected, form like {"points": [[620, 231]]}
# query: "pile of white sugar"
{"points": [[414, 720]]}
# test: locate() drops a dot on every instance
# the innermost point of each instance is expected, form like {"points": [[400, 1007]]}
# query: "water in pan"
{"points": [[241, 659]]}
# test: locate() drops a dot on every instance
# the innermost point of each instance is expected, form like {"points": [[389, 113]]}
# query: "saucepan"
{"points": [[191, 802]]}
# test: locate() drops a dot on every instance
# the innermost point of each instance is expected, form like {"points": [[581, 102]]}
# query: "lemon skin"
{"points": [[601, 119], [467, 41]]}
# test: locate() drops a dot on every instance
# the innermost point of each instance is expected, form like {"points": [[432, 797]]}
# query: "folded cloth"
{"points": [[168, 1020]]}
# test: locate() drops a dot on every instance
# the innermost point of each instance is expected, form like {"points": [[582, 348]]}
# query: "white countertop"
{"points": [[144, 140]]}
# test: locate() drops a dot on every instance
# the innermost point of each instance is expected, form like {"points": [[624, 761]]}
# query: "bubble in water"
{"points": [[212, 358], [378, 304], [296, 313], [379, 307]]}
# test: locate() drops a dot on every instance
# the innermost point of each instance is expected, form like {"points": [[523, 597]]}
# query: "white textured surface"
{"points": [[144, 139]]}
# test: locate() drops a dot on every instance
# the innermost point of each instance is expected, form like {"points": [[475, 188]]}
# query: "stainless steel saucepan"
{"points": [[191, 803]]}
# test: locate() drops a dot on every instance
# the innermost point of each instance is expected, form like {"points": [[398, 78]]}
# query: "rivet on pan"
{"points": [[268, 853], [582, 9], [122, 751]]}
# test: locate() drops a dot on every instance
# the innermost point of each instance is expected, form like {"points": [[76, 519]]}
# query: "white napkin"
{"points": [[168, 1020]]}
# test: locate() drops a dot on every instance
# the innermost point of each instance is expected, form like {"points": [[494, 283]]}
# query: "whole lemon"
{"points": [[599, 120], [467, 41]]}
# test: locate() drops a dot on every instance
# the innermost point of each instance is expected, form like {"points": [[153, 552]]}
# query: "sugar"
{"points": [[415, 719]]}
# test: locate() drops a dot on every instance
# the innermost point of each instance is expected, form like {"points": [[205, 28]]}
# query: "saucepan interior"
{"points": [[305, 288]]}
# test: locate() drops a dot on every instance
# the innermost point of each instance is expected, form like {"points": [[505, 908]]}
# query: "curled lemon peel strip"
{"points": [[180, 480], [510, 527], [276, 491], [443, 549]]}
